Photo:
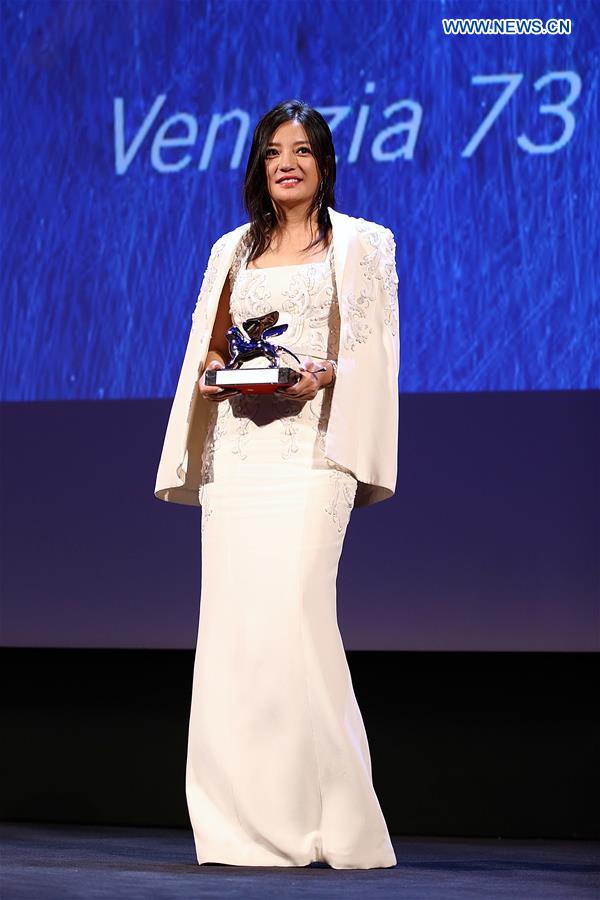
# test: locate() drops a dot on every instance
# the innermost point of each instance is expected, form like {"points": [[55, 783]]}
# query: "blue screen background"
{"points": [[106, 228]]}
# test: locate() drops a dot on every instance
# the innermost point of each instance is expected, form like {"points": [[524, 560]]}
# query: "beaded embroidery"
{"points": [[308, 304], [377, 264], [343, 486], [200, 313]]}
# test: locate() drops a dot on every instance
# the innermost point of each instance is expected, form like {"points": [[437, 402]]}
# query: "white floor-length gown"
{"points": [[278, 766]]}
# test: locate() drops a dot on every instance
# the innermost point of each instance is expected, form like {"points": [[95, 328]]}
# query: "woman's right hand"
{"points": [[212, 392]]}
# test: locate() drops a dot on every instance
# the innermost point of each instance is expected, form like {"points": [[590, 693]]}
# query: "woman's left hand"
{"points": [[308, 385]]}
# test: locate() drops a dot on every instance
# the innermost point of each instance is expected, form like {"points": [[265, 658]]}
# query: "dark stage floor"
{"points": [[59, 862]]}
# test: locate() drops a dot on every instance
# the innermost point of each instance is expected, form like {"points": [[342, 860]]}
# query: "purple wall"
{"points": [[490, 543]]}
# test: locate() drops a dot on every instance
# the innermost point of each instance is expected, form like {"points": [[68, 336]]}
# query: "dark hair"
{"points": [[257, 200]]}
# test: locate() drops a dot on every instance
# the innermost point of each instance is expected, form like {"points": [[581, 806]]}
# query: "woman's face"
{"points": [[291, 169]]}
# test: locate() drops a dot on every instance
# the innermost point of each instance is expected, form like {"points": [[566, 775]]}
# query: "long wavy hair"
{"points": [[263, 212]]}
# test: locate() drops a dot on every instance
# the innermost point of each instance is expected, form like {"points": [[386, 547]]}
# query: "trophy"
{"points": [[252, 345]]}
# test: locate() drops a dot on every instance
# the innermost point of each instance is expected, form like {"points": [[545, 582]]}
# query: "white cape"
{"points": [[362, 434]]}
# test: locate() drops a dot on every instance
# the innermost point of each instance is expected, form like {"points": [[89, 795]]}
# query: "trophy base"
{"points": [[252, 380]]}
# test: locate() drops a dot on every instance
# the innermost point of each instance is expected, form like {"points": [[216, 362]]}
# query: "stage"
{"points": [[50, 861]]}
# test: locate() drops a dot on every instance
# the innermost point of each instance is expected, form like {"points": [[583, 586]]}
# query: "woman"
{"points": [[278, 766]]}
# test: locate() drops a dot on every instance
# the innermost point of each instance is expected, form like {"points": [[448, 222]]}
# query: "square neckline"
{"points": [[291, 265]]}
